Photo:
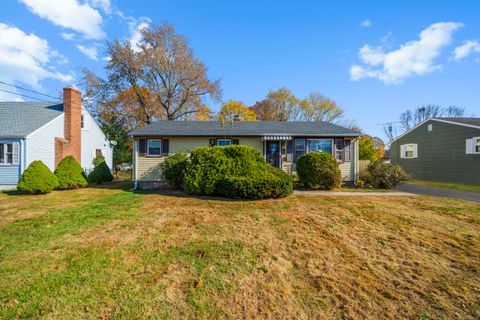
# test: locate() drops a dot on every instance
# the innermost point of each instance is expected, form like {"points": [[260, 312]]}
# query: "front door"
{"points": [[273, 153]]}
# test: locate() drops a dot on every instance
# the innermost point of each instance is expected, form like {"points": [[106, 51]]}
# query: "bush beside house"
{"points": [[173, 170], [319, 170], [385, 175], [100, 174], [37, 178], [70, 174], [270, 183], [234, 172]]}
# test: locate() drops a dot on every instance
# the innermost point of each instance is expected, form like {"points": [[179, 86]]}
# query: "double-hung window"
{"points": [[323, 145], [224, 142], [299, 148], [339, 145], [154, 147], [476, 145], [6, 153]]}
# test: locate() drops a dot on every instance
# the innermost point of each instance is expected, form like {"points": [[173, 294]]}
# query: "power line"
{"points": [[24, 95], [32, 91]]}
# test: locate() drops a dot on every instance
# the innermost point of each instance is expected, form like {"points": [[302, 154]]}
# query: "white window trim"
{"points": [[403, 151], [333, 146], [218, 141], [83, 122], [15, 153], [474, 140], [148, 148]]}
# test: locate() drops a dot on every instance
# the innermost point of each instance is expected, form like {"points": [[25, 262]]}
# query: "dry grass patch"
{"points": [[165, 256]]}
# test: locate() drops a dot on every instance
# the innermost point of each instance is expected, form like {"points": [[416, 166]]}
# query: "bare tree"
{"points": [[161, 80], [410, 119]]}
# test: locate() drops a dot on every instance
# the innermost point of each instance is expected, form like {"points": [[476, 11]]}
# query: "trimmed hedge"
{"points": [[173, 169], [69, 174], [209, 165], [271, 183], [385, 175], [319, 170], [100, 174], [37, 178], [235, 172]]}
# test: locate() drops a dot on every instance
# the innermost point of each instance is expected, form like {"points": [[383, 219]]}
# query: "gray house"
{"points": [[442, 149]]}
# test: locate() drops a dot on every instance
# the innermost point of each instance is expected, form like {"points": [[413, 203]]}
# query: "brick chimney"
{"points": [[70, 144]]}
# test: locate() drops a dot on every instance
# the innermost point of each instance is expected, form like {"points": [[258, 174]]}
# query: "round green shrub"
{"points": [[319, 170], [173, 169], [385, 175], [98, 159], [37, 178], [234, 172], [69, 174], [100, 174], [209, 165], [270, 183]]}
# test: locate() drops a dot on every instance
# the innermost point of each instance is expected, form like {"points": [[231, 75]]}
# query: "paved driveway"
{"points": [[439, 192]]}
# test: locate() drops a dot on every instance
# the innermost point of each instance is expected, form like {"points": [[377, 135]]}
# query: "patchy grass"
{"points": [[447, 185], [108, 253]]}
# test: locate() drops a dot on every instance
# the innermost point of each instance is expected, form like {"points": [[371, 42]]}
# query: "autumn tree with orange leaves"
{"points": [[159, 78]]}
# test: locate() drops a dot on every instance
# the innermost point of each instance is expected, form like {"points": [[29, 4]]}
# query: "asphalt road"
{"points": [[439, 192]]}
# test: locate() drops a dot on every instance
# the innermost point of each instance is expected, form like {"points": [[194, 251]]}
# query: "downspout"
{"points": [[355, 161], [134, 171]]}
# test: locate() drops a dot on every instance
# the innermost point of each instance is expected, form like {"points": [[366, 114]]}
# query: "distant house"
{"points": [[280, 142], [443, 149], [48, 131]]}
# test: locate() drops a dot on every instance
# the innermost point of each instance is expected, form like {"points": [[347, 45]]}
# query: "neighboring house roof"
{"points": [[19, 119], [243, 128], [467, 122]]}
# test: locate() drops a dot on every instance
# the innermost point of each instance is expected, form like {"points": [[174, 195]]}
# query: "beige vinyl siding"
{"points": [[346, 170], [255, 143], [186, 144], [148, 168]]}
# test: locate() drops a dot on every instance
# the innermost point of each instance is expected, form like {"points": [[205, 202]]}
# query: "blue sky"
{"points": [[375, 58]]}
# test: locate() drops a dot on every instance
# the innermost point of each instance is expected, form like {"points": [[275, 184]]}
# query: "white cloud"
{"points": [[27, 58], [105, 5], [366, 23], [412, 58], [90, 52], [136, 30], [467, 48], [69, 14], [67, 35]]}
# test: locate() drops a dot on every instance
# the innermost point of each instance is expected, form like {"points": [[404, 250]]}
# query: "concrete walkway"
{"points": [[439, 192], [352, 194]]}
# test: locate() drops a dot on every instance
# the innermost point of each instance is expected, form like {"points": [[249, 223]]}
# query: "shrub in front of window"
{"points": [[385, 175], [173, 170], [268, 183], [214, 171], [209, 165], [100, 174], [70, 174], [37, 178], [319, 170], [98, 159]]}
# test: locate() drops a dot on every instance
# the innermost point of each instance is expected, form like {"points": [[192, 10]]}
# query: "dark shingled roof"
{"points": [[18, 119], [470, 121], [243, 128]]}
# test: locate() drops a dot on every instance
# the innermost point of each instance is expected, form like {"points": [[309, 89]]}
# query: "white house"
{"points": [[48, 131]]}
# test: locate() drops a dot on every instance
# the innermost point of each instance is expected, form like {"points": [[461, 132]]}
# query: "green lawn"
{"points": [[109, 253], [447, 185]]}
